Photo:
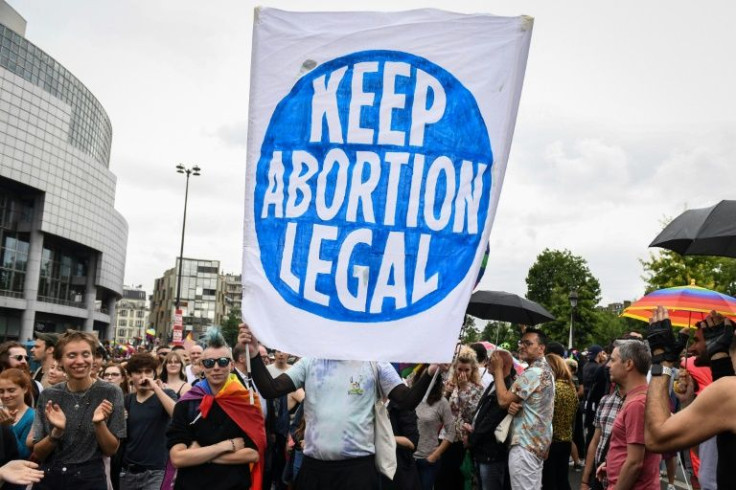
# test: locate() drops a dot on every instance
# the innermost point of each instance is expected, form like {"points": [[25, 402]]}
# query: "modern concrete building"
{"points": [[131, 315], [233, 292], [62, 243], [202, 297]]}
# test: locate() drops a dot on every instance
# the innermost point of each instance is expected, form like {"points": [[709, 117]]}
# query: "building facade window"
{"points": [[63, 277]]}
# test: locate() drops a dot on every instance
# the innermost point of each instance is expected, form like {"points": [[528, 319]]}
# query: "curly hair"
{"points": [[467, 356], [139, 362], [5, 352]]}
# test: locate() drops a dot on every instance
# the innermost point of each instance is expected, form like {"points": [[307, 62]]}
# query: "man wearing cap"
{"points": [[43, 352], [594, 384]]}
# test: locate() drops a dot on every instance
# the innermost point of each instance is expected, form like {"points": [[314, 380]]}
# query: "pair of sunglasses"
{"points": [[20, 357], [221, 361]]}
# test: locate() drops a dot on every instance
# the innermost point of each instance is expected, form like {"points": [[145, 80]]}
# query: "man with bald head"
{"points": [[194, 369]]}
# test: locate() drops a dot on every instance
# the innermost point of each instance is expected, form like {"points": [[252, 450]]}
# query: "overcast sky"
{"points": [[627, 116]]}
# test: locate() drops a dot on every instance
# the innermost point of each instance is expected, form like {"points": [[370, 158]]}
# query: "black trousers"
{"points": [[347, 474], [555, 471], [449, 476], [82, 476]]}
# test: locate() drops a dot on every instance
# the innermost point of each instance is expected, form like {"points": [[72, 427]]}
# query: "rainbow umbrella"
{"points": [[687, 305]]}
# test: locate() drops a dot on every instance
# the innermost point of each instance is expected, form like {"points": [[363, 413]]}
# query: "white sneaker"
{"points": [[671, 487]]}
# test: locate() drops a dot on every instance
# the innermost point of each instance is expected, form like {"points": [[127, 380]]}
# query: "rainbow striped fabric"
{"points": [[687, 305]]}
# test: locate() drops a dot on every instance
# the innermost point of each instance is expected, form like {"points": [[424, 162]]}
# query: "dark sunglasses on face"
{"points": [[221, 361], [20, 357]]}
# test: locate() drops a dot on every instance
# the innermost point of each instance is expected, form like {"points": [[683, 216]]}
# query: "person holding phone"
{"points": [[149, 408]]}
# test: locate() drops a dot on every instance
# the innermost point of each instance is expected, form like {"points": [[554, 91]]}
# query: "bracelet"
{"points": [[233, 443]]}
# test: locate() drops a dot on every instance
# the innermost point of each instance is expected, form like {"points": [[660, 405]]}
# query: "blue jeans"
{"points": [[492, 475], [427, 473]]}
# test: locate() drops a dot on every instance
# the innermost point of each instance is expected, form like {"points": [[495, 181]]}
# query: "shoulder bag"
{"points": [[384, 439]]}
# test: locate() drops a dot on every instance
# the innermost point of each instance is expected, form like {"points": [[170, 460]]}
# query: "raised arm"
{"points": [[710, 413], [268, 386], [408, 398]]}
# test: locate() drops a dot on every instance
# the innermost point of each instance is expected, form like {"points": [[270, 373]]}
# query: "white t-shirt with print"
{"points": [[339, 405]]}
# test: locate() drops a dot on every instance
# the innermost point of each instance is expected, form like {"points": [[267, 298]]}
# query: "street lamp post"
{"points": [[573, 304], [188, 171]]}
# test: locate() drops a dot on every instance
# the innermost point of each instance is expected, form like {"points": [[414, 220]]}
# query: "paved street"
{"points": [[575, 477]]}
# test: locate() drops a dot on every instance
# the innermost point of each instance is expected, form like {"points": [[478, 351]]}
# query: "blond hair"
{"points": [[560, 369], [467, 356]]}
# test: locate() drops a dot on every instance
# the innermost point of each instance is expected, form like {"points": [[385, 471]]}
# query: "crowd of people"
{"points": [[227, 417]]}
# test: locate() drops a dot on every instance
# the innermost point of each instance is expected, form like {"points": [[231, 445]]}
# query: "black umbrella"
{"points": [[705, 231], [507, 307]]}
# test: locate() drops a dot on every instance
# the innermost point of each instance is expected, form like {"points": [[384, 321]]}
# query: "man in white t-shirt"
{"points": [[279, 364], [193, 369], [339, 445]]}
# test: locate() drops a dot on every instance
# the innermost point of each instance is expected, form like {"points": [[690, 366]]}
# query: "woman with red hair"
{"points": [[15, 386]]}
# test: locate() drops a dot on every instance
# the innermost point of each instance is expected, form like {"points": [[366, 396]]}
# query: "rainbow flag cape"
{"points": [[234, 399]]}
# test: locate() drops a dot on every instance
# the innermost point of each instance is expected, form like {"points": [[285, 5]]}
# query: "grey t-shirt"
{"points": [[79, 443]]}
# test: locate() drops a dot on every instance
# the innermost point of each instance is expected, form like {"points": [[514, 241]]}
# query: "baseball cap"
{"points": [[594, 350]]}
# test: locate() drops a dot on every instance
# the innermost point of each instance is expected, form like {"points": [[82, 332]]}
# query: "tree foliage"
{"points": [[667, 269], [549, 282], [230, 326], [469, 333], [500, 333], [610, 326]]}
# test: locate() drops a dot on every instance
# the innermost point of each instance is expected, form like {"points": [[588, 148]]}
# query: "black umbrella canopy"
{"points": [[704, 231], [507, 307]]}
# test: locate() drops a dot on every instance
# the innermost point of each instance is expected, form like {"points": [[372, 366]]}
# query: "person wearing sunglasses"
{"points": [[14, 355], [534, 389], [217, 429]]}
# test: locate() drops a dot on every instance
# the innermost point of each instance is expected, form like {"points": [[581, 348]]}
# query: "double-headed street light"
{"points": [[188, 171], [573, 304]]}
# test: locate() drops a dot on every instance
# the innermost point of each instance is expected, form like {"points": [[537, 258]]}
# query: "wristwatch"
{"points": [[659, 370]]}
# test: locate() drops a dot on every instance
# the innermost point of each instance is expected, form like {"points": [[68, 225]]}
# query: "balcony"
{"points": [[75, 304], [11, 294]]}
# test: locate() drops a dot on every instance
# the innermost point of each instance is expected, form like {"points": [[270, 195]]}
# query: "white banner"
{"points": [[377, 146]]}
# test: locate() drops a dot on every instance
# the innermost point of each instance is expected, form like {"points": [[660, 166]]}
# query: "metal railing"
{"points": [[11, 294], [65, 302]]}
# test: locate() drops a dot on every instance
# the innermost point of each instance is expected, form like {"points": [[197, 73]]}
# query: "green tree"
{"points": [[550, 279], [469, 333], [230, 326], [501, 332], [610, 326], [667, 269]]}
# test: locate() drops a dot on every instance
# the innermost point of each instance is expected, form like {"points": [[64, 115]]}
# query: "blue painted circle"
{"points": [[460, 134]]}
